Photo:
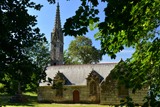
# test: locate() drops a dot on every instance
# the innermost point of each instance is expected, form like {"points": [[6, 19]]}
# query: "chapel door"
{"points": [[76, 96]]}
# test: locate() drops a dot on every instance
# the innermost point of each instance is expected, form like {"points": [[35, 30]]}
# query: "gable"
{"points": [[94, 76], [77, 74]]}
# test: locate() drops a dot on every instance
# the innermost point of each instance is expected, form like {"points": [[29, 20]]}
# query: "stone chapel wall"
{"points": [[138, 97], [47, 94], [110, 95]]}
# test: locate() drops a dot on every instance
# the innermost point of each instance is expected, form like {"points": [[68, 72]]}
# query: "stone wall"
{"points": [[47, 94], [110, 94], [114, 99], [109, 97], [138, 97]]}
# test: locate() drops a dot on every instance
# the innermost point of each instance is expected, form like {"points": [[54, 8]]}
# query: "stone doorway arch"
{"points": [[76, 97]]}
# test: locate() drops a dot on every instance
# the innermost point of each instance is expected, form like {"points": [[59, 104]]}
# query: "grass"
{"points": [[60, 105], [4, 100], [32, 102]]}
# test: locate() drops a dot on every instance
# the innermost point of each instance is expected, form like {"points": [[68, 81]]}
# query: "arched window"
{"points": [[93, 88]]}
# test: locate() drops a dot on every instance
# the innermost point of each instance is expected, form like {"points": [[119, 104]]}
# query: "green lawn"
{"points": [[32, 102], [58, 105]]}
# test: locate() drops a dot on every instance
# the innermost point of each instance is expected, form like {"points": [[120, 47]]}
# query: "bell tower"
{"points": [[57, 41]]}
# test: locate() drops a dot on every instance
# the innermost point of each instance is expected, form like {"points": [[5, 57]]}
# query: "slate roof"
{"points": [[77, 74]]}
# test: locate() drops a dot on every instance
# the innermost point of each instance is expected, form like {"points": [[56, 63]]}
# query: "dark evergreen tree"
{"points": [[18, 36]]}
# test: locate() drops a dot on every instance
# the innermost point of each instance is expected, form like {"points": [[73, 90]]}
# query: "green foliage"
{"points": [[18, 37], [81, 51], [68, 58], [51, 1], [127, 103], [145, 69], [84, 15], [150, 99], [121, 74], [127, 23]]}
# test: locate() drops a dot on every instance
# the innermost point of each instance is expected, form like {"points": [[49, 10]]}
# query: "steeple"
{"points": [[57, 40], [57, 19]]}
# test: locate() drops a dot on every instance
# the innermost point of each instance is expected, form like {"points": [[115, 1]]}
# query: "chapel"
{"points": [[86, 83]]}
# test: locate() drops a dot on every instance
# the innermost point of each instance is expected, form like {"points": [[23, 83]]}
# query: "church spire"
{"points": [[57, 41], [57, 18]]}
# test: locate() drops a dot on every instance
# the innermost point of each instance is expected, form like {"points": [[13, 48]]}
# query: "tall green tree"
{"points": [[81, 51], [67, 58], [39, 54], [127, 23], [18, 35]]}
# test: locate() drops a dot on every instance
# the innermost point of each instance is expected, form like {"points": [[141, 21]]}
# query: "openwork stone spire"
{"points": [[57, 41], [57, 18]]}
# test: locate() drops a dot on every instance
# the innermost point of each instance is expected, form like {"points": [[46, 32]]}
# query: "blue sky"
{"points": [[46, 19]]}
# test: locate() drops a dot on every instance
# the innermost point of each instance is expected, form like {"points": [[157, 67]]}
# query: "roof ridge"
{"points": [[84, 64]]}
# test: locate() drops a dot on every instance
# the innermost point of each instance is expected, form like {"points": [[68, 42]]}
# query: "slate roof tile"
{"points": [[77, 74]]}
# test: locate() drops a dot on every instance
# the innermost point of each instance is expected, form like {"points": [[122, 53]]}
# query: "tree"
{"points": [[19, 35], [81, 51], [40, 56], [67, 58], [127, 23]]}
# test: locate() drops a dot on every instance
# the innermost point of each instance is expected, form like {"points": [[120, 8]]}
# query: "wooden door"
{"points": [[76, 96]]}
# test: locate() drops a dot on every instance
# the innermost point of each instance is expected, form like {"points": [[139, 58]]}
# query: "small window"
{"points": [[93, 88]]}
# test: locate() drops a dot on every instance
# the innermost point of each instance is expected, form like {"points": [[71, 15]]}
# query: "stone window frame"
{"points": [[93, 88], [93, 77]]}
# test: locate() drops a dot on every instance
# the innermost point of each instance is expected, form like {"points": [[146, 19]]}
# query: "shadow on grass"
{"points": [[5, 100]]}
